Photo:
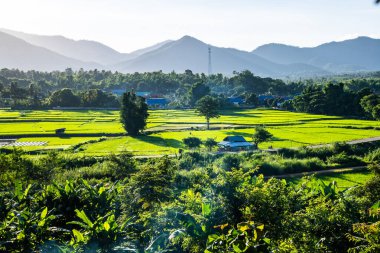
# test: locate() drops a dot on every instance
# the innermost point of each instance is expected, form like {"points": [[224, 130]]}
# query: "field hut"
{"points": [[235, 143]]}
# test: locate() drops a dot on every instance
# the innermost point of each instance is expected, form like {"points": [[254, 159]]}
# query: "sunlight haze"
{"points": [[243, 24]]}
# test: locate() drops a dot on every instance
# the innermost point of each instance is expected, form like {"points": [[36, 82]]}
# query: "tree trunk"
{"points": [[208, 123]]}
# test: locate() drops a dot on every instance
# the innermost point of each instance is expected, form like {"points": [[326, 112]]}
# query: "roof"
{"points": [[235, 144], [236, 100], [118, 91], [143, 93], [156, 101], [235, 141], [235, 138], [265, 97]]}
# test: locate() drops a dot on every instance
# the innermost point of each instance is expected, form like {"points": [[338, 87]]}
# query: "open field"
{"points": [[169, 127]]}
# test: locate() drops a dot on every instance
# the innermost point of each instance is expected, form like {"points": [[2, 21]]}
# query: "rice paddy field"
{"points": [[167, 128], [343, 180]]}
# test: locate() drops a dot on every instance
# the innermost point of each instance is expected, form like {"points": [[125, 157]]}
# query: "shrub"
{"points": [[286, 166], [210, 143], [343, 159], [230, 161], [192, 142]]}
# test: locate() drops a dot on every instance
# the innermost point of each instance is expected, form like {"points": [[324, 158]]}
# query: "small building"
{"points": [[144, 94], [235, 143], [263, 98], [236, 101], [118, 92], [156, 103], [60, 131]]}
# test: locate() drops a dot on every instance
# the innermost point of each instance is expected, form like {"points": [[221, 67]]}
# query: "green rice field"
{"points": [[344, 180], [167, 128]]}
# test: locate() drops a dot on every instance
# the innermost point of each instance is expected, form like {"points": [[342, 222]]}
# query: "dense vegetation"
{"points": [[33, 89], [192, 203], [336, 100]]}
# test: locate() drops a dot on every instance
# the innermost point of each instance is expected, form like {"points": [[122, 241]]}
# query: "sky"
{"points": [[128, 25]]}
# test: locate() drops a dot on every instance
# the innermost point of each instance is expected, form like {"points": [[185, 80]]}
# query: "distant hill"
{"points": [[148, 49], [17, 53], [360, 54], [190, 53], [83, 50]]}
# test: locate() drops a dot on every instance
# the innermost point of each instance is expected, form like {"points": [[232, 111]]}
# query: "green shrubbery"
{"points": [[194, 203]]}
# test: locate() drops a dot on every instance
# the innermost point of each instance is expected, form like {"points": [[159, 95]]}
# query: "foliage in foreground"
{"points": [[201, 205]]}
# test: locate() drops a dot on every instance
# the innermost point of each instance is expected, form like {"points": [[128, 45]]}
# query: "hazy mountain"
{"points": [[360, 54], [148, 49], [29, 51], [17, 53], [190, 53], [83, 50]]}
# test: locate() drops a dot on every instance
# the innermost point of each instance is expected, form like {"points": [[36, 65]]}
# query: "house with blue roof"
{"points": [[157, 103], [235, 143], [236, 100]]}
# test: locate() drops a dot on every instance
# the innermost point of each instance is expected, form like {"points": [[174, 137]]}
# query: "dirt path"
{"points": [[373, 139], [302, 174], [353, 142]]}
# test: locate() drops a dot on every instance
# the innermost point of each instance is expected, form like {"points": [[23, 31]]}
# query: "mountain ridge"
{"points": [[14, 51], [351, 55], [272, 60]]}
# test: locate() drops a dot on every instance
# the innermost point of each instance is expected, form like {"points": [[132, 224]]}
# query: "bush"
{"points": [[192, 142], [342, 159], [230, 161], [285, 166]]}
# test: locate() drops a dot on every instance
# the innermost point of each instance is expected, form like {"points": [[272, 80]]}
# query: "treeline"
{"points": [[194, 203], [155, 82], [33, 89], [336, 99]]}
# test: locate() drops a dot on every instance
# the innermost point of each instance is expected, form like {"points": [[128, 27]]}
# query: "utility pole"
{"points": [[209, 61]]}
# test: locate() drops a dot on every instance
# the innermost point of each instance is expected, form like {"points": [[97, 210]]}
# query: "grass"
{"points": [[171, 126]]}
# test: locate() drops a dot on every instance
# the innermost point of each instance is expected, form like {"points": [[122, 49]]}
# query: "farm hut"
{"points": [[60, 131], [144, 94], [156, 102], [236, 101], [235, 143], [118, 92]]}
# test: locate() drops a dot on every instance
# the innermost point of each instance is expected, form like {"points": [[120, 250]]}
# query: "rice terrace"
{"points": [[166, 129], [196, 126]]}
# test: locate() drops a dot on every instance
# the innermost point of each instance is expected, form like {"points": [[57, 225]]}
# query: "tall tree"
{"points": [[133, 114], [208, 107]]}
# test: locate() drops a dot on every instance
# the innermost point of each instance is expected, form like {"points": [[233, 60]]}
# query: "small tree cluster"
{"points": [[261, 135], [194, 142]]}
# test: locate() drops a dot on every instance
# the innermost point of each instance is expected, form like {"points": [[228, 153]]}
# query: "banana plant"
{"points": [[104, 231], [245, 237]]}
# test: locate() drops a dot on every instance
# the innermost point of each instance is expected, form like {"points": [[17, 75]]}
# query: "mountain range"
{"points": [[48, 53]]}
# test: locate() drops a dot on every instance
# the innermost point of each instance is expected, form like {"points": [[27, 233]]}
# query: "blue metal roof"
{"points": [[156, 101], [236, 100], [236, 138], [143, 93]]}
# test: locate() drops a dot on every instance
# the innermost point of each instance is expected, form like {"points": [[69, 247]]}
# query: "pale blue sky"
{"points": [[127, 25]]}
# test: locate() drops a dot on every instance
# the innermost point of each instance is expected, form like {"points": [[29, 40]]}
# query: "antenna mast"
{"points": [[209, 61]]}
